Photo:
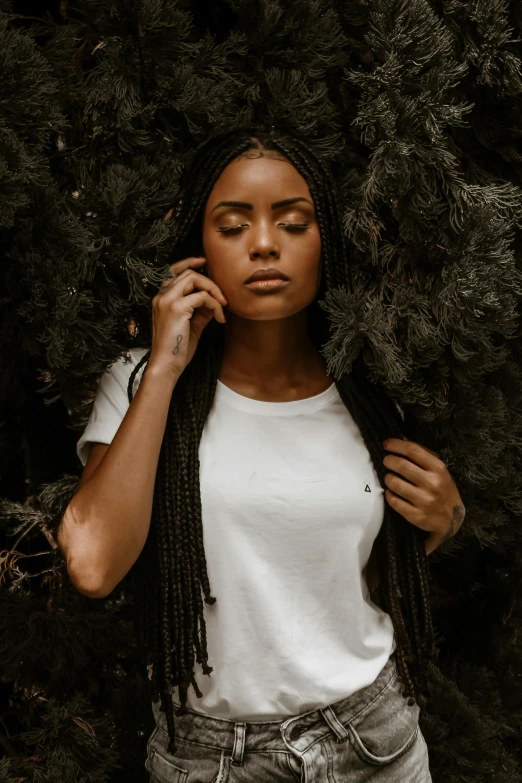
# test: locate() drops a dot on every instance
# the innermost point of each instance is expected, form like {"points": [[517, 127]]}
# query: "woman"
{"points": [[268, 489]]}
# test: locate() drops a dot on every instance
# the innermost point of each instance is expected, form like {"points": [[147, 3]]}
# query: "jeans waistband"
{"points": [[238, 736]]}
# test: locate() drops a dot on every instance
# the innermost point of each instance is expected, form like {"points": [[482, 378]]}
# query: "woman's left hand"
{"points": [[427, 495]]}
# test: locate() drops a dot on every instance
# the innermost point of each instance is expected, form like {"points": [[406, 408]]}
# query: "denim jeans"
{"points": [[372, 735]]}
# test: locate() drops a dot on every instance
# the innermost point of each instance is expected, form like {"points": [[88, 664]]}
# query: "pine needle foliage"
{"points": [[417, 107]]}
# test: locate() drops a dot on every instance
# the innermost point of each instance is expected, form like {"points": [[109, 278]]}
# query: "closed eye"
{"points": [[295, 226], [287, 226]]}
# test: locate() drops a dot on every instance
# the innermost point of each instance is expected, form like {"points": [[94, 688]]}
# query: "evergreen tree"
{"points": [[418, 107]]}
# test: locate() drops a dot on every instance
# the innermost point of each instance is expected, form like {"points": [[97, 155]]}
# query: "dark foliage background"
{"points": [[418, 107]]}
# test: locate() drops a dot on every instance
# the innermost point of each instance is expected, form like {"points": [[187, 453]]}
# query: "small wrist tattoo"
{"points": [[459, 512], [175, 350]]}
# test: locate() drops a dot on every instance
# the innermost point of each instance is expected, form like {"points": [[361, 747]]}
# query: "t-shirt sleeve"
{"points": [[110, 403]]}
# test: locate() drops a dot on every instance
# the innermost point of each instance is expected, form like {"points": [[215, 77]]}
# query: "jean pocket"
{"points": [[192, 760], [164, 771], [387, 728]]}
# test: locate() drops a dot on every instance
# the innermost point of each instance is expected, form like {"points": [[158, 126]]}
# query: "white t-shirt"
{"points": [[291, 506]]}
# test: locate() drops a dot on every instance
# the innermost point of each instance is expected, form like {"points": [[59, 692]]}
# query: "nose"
{"points": [[264, 242]]}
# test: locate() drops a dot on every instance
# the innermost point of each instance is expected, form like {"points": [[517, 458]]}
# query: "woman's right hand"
{"points": [[179, 315]]}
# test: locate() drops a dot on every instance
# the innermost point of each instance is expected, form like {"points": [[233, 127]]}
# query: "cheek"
{"points": [[208, 242], [313, 259], [213, 253], [221, 267]]}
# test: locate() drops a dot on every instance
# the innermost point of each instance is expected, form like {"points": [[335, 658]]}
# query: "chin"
{"points": [[264, 310]]}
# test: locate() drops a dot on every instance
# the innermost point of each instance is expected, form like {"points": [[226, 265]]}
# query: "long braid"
{"points": [[176, 628], [413, 589], [195, 566], [423, 569]]}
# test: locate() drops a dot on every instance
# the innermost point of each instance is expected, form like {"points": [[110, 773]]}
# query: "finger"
{"points": [[190, 279], [405, 509], [406, 468], [414, 451], [180, 267], [200, 318], [187, 263], [204, 298], [405, 490], [435, 453], [165, 284]]}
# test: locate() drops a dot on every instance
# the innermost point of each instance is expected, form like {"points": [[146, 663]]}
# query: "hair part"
{"points": [[173, 583]]}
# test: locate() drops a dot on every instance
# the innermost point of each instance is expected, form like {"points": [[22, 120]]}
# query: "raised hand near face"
{"points": [[183, 306]]}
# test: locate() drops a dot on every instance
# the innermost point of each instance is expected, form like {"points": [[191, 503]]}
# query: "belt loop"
{"points": [[239, 744], [338, 729]]}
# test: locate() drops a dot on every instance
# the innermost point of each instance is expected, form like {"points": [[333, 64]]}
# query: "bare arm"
{"points": [[106, 524]]}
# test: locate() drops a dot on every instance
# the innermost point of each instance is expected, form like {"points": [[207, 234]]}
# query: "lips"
{"points": [[267, 274]]}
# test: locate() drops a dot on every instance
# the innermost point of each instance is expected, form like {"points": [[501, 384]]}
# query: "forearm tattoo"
{"points": [[459, 512], [175, 350]]}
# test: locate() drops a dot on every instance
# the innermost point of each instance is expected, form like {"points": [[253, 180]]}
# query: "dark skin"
{"points": [[268, 354]]}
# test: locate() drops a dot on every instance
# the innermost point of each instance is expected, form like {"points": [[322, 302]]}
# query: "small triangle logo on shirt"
{"points": [[367, 488]]}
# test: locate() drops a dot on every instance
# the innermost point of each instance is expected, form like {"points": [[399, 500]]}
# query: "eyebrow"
{"points": [[245, 205]]}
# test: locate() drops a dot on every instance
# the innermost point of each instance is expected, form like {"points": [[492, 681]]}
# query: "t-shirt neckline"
{"points": [[293, 407]]}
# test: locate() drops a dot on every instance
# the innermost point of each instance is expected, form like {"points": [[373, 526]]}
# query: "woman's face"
{"points": [[271, 213]]}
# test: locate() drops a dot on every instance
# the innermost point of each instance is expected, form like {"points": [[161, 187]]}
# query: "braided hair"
{"points": [[172, 569]]}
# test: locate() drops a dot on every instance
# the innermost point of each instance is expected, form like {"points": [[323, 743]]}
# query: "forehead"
{"points": [[259, 179]]}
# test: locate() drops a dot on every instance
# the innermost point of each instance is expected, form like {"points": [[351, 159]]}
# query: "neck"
{"points": [[270, 354]]}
